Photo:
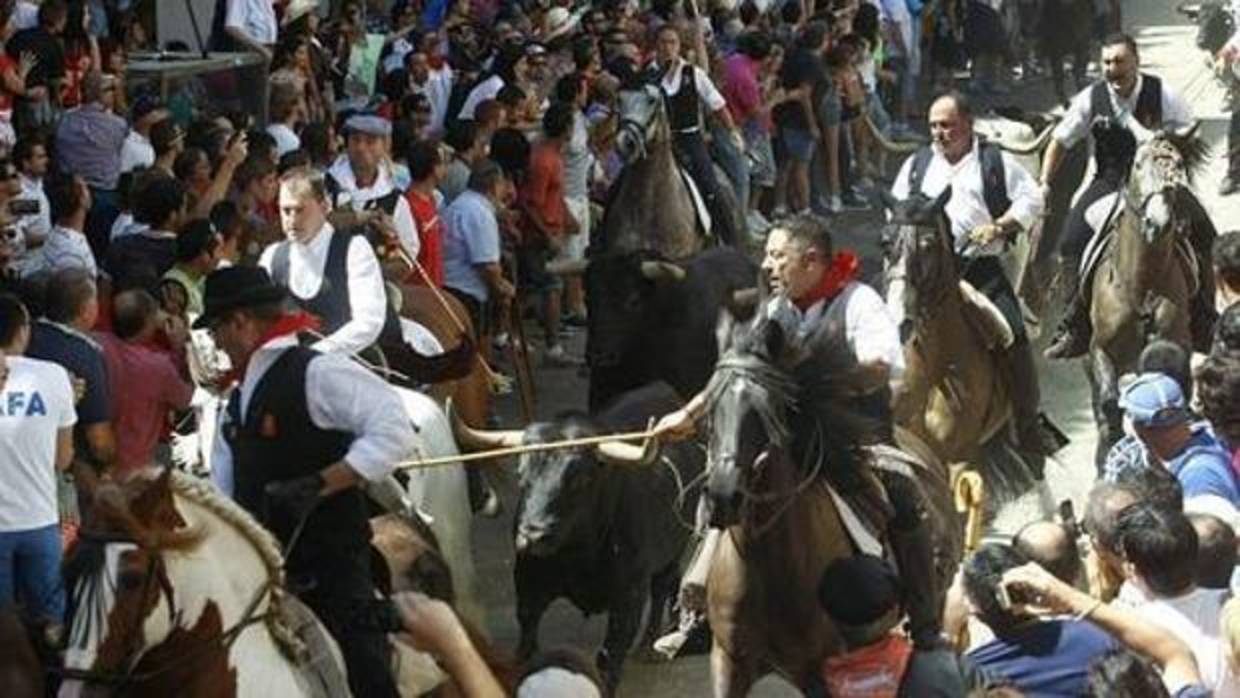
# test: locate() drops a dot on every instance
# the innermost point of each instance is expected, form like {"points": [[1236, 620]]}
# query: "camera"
{"points": [[24, 207]]}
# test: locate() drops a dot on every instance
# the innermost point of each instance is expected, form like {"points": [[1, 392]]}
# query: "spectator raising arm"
{"points": [[1049, 596]]}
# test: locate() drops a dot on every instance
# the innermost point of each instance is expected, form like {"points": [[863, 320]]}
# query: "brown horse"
{"points": [[783, 445], [954, 394], [1142, 283]]}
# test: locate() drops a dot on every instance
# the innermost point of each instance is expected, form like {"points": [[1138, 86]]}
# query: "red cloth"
{"points": [[430, 239], [543, 190], [874, 671], [290, 323], [77, 64], [145, 386], [843, 270]]}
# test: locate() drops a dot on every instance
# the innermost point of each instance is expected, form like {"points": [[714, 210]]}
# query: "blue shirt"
{"points": [[1046, 658], [1204, 467], [471, 238]]}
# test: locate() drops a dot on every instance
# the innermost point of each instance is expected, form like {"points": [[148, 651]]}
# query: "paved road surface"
{"points": [[1167, 49]]}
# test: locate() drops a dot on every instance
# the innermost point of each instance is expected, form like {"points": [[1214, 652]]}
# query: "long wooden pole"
{"points": [[439, 461]]}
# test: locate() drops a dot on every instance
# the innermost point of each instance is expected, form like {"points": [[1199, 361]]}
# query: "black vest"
{"points": [[683, 111], [1148, 111], [331, 303], [386, 203], [994, 178], [275, 440]]}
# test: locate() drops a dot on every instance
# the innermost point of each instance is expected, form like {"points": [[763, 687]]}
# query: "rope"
{"points": [[491, 454]]}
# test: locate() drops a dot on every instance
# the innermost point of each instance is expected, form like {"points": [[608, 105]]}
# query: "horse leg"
{"points": [[729, 678], [1105, 384], [624, 619]]}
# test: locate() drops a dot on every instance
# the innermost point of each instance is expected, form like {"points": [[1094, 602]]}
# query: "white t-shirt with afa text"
{"points": [[36, 402]]}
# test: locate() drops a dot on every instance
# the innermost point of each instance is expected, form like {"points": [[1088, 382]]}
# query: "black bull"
{"points": [[655, 321], [608, 537]]}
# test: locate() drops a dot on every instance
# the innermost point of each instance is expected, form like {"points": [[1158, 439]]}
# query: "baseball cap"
{"points": [[858, 590], [1153, 400]]}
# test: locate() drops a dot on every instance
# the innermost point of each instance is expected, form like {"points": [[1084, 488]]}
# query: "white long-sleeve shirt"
{"points": [[307, 263], [402, 217], [340, 395], [1080, 115], [967, 207]]}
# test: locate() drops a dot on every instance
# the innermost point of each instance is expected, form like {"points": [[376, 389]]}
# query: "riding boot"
{"points": [[1202, 314], [1026, 399], [1072, 337]]}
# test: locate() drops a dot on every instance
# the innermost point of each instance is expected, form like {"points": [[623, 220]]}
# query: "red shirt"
{"points": [[544, 186], [144, 387], [77, 64], [430, 238]]}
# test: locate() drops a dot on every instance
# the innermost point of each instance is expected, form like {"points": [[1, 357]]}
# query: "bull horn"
{"points": [[623, 453], [482, 439], [886, 144], [663, 270], [1030, 148], [568, 267]]}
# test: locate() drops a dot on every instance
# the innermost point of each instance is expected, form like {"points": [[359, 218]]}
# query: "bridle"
{"points": [[133, 652], [905, 246], [639, 131]]}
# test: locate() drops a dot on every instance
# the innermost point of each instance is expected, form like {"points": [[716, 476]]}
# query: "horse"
{"points": [[954, 394], [652, 207], [784, 450], [1145, 275], [176, 590]]}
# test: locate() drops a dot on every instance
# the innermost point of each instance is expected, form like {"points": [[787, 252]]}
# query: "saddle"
{"points": [[985, 317]]}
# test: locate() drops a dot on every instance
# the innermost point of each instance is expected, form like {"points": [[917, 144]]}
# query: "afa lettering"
{"points": [[16, 404]]}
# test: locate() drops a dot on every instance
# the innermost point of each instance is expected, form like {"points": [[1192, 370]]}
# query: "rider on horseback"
{"points": [[685, 88], [301, 432], [993, 199], [1121, 109], [336, 276], [812, 285]]}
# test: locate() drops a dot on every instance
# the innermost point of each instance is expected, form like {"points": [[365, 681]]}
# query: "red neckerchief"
{"points": [[844, 269], [874, 671], [289, 323]]}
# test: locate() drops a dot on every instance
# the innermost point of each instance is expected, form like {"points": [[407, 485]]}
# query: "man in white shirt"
{"points": [[137, 152], [36, 440], [362, 180], [993, 199], [300, 435], [1126, 106], [685, 89], [335, 275], [1160, 551], [252, 23], [434, 82], [66, 246], [30, 156]]}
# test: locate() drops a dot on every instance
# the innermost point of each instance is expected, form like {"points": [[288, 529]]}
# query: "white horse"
{"points": [[155, 613]]}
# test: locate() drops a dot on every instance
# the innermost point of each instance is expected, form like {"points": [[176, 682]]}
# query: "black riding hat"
{"points": [[233, 288]]}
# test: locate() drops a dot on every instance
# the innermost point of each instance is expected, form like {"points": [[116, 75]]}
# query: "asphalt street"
{"points": [[1167, 49]]}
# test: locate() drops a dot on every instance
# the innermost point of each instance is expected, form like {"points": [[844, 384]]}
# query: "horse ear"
{"points": [[1187, 132], [154, 507]]}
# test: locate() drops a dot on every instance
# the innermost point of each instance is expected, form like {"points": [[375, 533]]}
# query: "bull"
{"points": [[654, 320], [604, 527]]}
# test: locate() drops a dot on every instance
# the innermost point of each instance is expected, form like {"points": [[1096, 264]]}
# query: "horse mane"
{"points": [[1193, 149]]}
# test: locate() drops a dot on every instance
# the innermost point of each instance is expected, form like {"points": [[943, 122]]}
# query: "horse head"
{"points": [[918, 257], [1162, 173], [643, 121], [145, 594]]}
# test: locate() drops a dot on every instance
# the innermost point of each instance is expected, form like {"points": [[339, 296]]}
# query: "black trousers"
{"points": [[692, 154], [337, 588], [1076, 232]]}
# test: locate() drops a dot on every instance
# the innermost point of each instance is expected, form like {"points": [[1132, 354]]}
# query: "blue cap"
{"points": [[1154, 400]]}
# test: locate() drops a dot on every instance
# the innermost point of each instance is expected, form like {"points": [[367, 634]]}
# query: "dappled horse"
{"points": [[1146, 272], [954, 393], [784, 450], [176, 590]]}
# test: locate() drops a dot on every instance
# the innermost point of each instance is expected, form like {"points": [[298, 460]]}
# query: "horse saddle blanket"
{"points": [[699, 203], [984, 316]]}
